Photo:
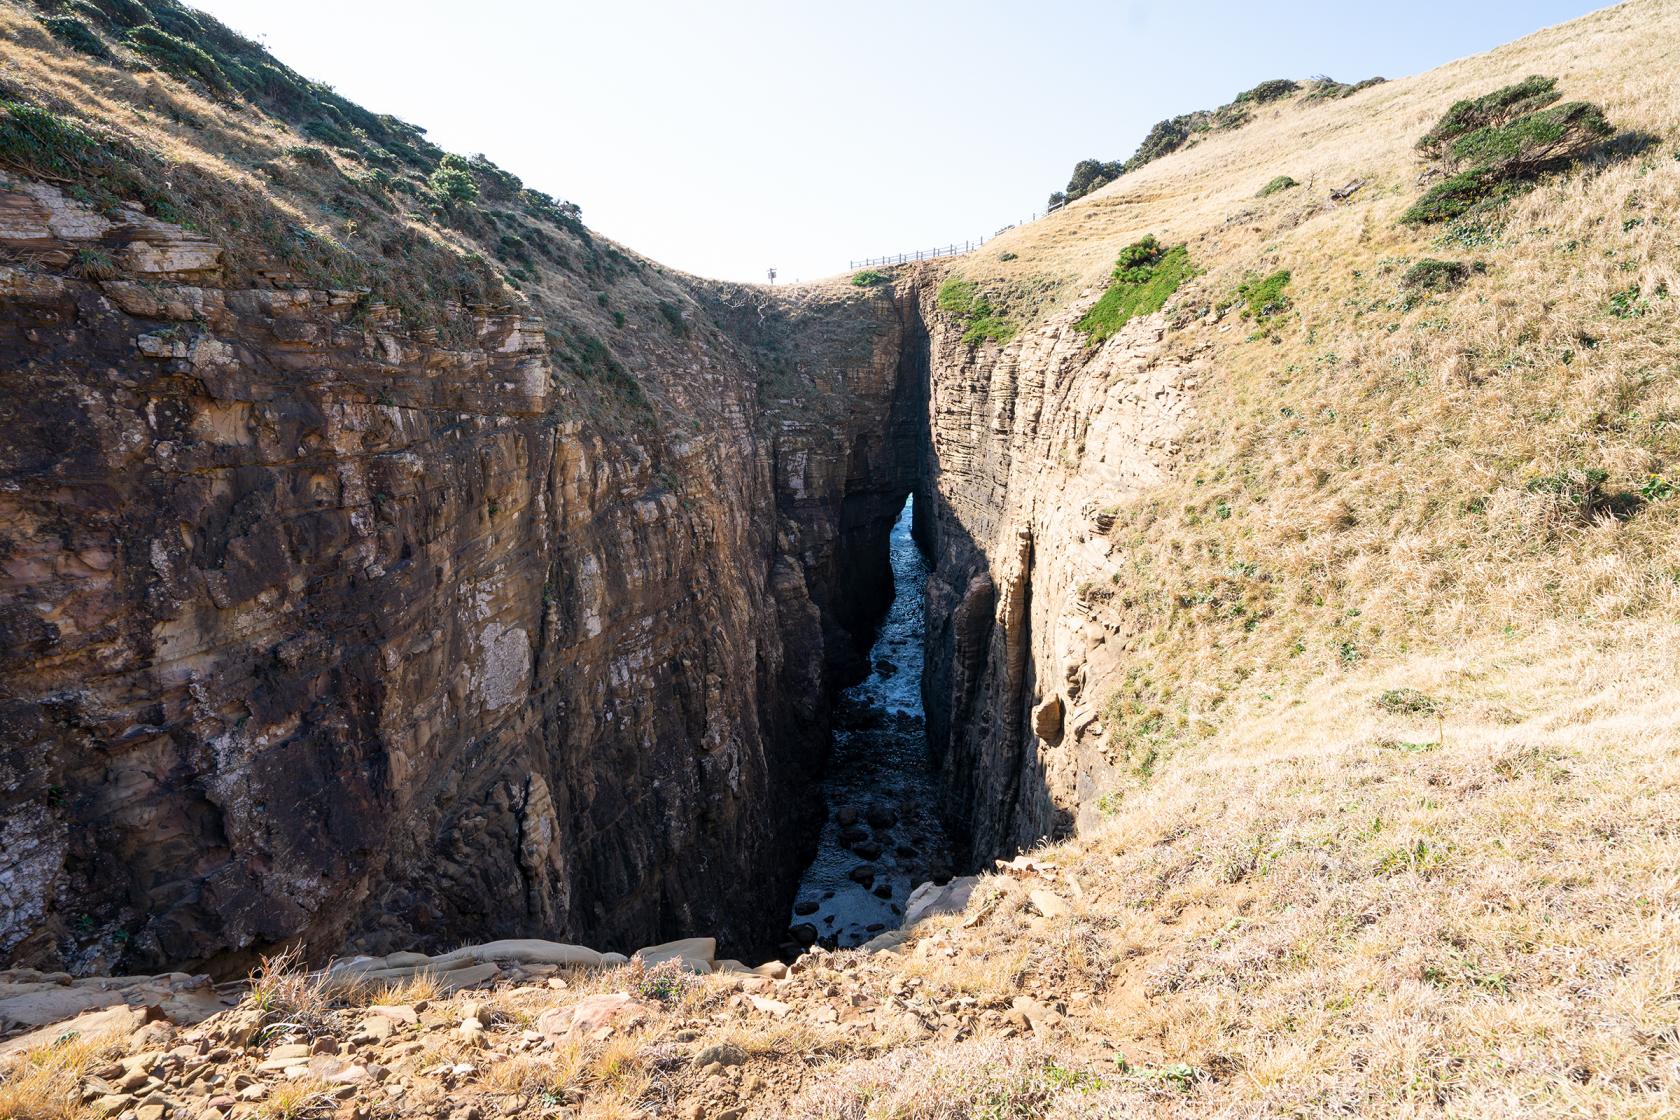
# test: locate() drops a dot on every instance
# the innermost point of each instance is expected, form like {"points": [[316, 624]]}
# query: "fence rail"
{"points": [[951, 250]]}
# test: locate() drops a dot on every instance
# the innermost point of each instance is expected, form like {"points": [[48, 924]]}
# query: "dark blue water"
{"points": [[880, 789]]}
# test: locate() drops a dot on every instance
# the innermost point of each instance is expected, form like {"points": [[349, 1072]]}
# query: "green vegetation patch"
{"points": [[1409, 702], [868, 278], [1264, 298], [964, 302], [1281, 183], [1144, 278]]}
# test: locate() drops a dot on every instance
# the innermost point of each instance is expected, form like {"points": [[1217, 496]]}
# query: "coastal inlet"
{"points": [[883, 835]]}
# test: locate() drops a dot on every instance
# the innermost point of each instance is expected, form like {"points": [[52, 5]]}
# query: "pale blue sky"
{"points": [[728, 136]]}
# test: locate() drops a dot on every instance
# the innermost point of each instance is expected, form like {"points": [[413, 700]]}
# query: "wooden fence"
{"points": [[951, 250]]}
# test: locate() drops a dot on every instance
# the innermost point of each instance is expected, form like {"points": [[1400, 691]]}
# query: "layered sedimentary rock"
{"points": [[1028, 445], [316, 627]]}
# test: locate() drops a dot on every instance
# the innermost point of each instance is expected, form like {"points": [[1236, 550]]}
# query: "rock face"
{"points": [[1027, 445], [315, 627]]}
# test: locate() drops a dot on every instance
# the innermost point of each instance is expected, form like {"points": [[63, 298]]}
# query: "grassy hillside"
{"points": [[1386, 461]]}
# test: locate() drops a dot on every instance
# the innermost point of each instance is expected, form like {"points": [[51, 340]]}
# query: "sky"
{"points": [[731, 136]]}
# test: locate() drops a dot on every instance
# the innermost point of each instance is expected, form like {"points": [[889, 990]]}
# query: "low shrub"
{"points": [[868, 278], [77, 35], [1454, 197], [1329, 89], [453, 180], [180, 58], [34, 140], [673, 318], [1496, 145], [1145, 276], [1281, 183], [1275, 89]]}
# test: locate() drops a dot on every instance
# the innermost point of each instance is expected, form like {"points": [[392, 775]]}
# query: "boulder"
{"points": [[690, 950], [932, 898], [519, 951]]}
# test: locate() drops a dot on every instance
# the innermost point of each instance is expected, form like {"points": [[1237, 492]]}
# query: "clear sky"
{"points": [[726, 136]]}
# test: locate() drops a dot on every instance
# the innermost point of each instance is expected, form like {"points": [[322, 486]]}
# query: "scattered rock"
{"points": [[805, 907], [863, 876]]}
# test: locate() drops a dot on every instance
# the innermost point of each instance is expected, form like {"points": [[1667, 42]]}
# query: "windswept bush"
{"points": [[1274, 90], [868, 278], [1531, 143], [1489, 111], [1496, 145], [1281, 183]]}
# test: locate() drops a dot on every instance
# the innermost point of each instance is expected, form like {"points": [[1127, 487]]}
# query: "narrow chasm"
{"points": [[883, 834]]}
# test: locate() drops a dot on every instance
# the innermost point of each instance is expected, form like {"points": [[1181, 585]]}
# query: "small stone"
{"points": [[293, 1050], [722, 1053], [862, 876], [396, 1013], [151, 1112], [771, 1006], [884, 891], [804, 933], [882, 816], [805, 907], [846, 816]]}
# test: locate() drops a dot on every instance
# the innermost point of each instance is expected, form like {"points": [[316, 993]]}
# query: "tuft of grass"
{"points": [[410, 989], [1431, 275], [289, 996], [868, 278], [1281, 183], [1144, 278], [46, 1082], [1409, 701]]}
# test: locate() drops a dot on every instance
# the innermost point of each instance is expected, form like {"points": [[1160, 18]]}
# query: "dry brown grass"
{"points": [[45, 1083], [1316, 923]]}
